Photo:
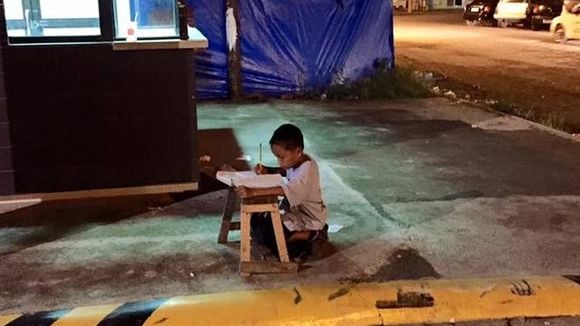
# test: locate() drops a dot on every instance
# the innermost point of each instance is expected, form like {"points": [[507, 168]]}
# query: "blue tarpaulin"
{"points": [[294, 45], [211, 64]]}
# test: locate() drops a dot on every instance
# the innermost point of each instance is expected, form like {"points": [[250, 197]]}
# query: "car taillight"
{"points": [[539, 9]]}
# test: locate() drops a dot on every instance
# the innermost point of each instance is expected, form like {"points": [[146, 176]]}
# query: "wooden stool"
{"points": [[227, 224], [266, 204]]}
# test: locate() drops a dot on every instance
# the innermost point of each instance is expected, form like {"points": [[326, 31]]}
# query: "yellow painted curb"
{"points": [[453, 301], [389, 303], [4, 320], [86, 316]]}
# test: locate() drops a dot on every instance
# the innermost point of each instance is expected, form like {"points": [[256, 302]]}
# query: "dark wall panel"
{"points": [[87, 117], [6, 171]]}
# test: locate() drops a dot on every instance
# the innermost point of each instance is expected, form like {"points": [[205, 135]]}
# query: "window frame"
{"points": [[107, 25]]}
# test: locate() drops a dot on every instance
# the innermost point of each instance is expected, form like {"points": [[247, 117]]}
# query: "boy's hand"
{"points": [[244, 192], [260, 169]]}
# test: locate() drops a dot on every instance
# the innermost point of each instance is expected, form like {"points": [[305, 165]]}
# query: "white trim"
{"points": [[196, 41], [101, 193]]}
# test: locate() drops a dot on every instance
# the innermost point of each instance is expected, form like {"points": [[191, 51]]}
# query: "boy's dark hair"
{"points": [[289, 136]]}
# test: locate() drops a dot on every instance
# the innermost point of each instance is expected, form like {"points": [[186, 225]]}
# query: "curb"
{"points": [[535, 125], [390, 303], [538, 126]]}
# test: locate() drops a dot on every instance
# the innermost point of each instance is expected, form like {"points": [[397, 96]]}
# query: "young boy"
{"points": [[304, 214]]}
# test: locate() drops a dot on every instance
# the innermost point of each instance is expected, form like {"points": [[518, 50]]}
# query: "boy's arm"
{"points": [[303, 180], [275, 169], [262, 169]]}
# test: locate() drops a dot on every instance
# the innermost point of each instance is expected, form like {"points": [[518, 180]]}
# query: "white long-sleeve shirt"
{"points": [[304, 194]]}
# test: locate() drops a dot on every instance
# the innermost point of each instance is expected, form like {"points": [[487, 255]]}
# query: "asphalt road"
{"points": [[523, 69]]}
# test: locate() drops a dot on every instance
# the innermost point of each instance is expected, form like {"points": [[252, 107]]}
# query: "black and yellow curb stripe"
{"points": [[389, 303]]}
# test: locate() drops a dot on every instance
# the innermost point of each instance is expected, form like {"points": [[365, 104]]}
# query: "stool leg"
{"points": [[280, 239], [245, 236], [227, 216]]}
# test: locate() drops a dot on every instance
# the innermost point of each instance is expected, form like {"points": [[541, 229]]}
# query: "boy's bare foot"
{"points": [[299, 236], [309, 235]]}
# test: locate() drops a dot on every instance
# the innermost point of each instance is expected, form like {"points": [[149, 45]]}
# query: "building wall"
{"points": [[6, 168], [446, 4], [82, 117], [87, 117]]}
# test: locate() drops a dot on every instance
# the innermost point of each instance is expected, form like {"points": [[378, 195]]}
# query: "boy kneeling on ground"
{"points": [[303, 212]]}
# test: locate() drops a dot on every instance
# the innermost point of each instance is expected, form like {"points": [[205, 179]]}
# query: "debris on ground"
{"points": [[505, 123], [450, 94], [334, 228], [426, 76]]}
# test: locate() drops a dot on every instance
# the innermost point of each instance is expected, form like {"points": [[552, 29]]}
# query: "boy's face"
{"points": [[287, 158]]}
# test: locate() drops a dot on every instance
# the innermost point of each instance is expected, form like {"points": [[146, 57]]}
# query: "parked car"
{"points": [[529, 13], [543, 13], [480, 11], [567, 25], [399, 4], [510, 12]]}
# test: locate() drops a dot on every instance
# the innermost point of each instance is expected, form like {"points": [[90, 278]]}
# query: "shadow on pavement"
{"points": [[56, 219]]}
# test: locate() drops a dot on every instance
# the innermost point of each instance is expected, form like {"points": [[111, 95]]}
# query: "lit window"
{"points": [[38, 18], [146, 18]]}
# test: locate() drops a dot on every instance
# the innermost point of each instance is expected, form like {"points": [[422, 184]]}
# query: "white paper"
{"points": [[334, 228], [249, 179]]}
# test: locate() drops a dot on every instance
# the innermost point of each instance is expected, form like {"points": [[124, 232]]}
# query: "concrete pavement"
{"points": [[417, 189]]}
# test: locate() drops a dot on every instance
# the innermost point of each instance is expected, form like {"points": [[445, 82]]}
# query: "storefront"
{"points": [[85, 108], [447, 4]]}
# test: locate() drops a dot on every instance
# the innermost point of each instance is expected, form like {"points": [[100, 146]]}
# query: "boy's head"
{"points": [[287, 144]]}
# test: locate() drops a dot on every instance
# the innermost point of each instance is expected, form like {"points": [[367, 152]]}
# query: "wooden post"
{"points": [[234, 48]]}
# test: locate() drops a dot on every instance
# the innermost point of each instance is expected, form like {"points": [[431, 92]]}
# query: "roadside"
{"points": [[417, 189], [525, 301], [511, 70]]}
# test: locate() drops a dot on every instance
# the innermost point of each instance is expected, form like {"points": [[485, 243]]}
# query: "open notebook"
{"points": [[249, 179]]}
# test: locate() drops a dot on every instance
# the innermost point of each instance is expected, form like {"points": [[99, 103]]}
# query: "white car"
{"points": [[400, 4], [567, 25], [509, 12]]}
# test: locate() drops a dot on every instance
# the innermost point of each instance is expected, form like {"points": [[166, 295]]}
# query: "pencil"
{"points": [[260, 162]]}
